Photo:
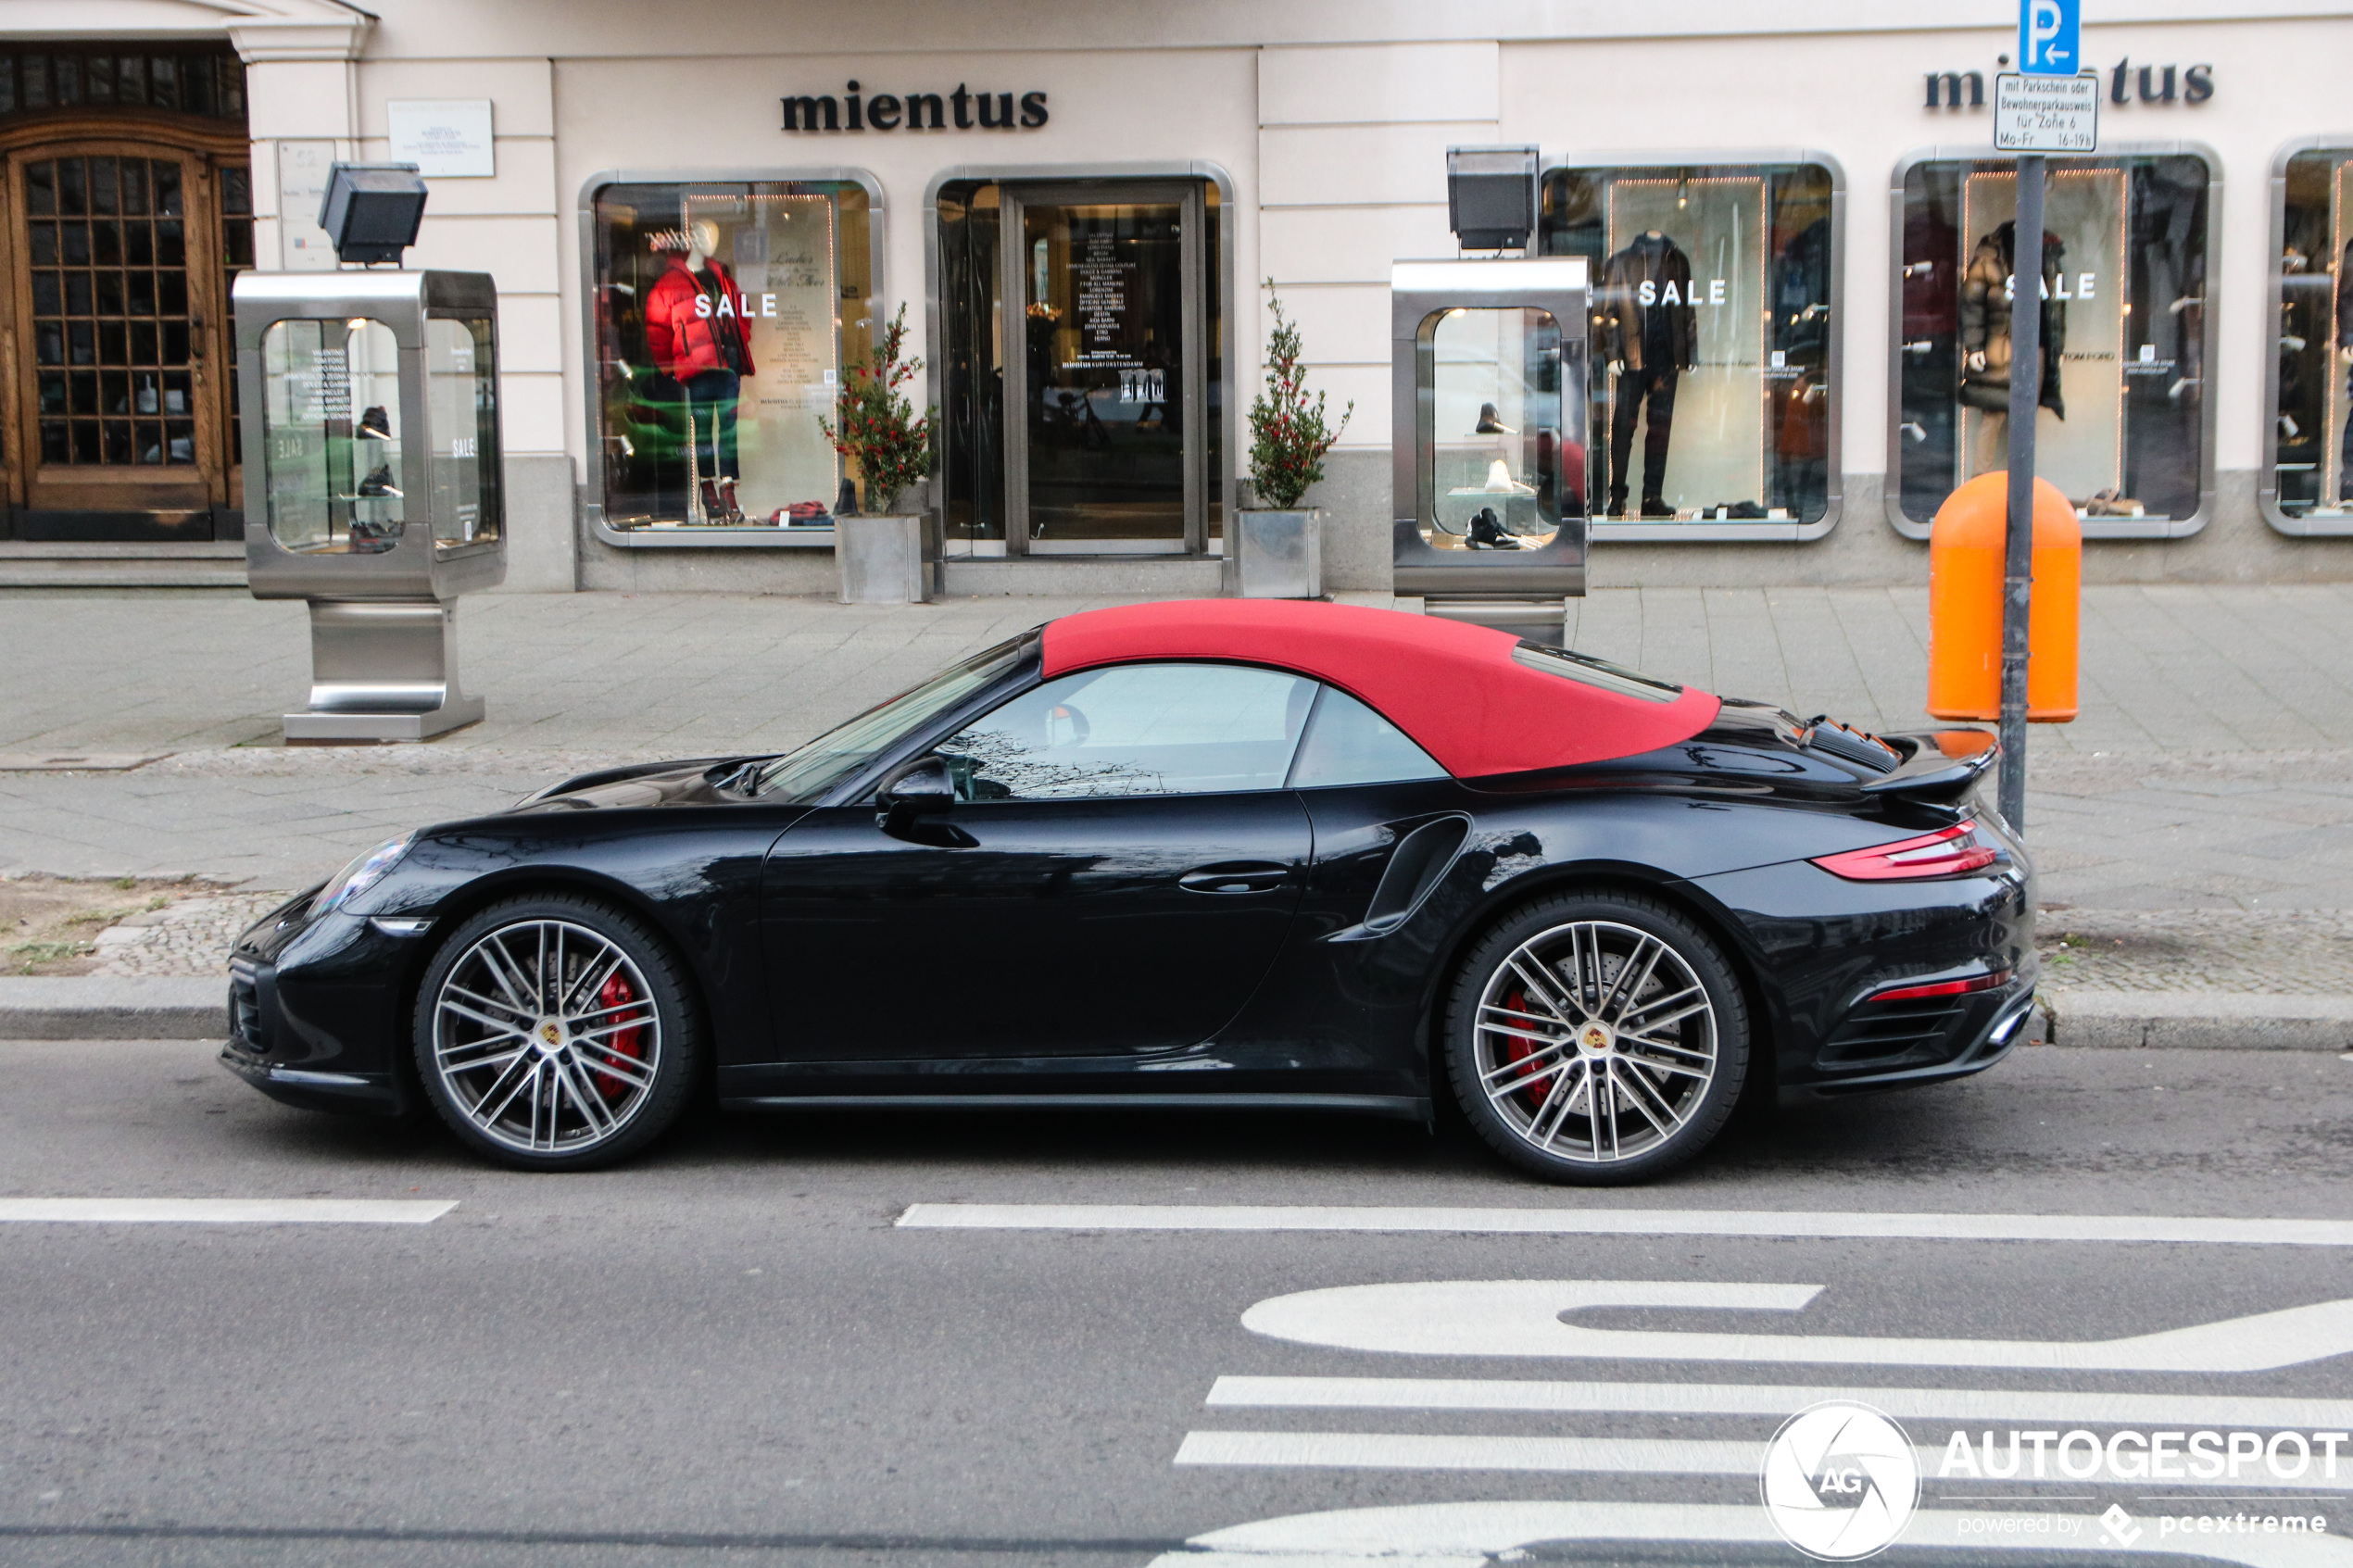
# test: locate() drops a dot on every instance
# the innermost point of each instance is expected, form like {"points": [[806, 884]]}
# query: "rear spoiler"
{"points": [[1938, 764]]}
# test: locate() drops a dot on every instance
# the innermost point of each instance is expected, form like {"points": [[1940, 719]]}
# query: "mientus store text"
{"points": [[1799, 246]]}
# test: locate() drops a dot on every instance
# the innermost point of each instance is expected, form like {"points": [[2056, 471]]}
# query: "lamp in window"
{"points": [[371, 211]]}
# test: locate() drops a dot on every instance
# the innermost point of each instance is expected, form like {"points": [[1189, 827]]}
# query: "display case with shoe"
{"points": [[1489, 442], [372, 483]]}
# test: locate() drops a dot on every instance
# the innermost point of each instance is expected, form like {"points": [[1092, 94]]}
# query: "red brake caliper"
{"points": [[1520, 1047], [629, 1042]]}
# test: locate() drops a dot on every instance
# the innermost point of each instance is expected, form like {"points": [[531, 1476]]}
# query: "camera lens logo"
{"points": [[1841, 1481]]}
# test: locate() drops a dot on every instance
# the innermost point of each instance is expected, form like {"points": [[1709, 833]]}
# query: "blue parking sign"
{"points": [[2048, 43]]}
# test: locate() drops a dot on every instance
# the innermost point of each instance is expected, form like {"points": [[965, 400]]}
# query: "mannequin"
{"points": [[2344, 357], [1986, 304], [694, 336], [1647, 346]]}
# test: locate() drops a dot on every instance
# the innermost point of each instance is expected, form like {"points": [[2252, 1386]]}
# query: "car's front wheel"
{"points": [[1596, 1038], [554, 1034]]}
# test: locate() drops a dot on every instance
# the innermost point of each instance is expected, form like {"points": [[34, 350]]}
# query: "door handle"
{"points": [[1236, 877]]}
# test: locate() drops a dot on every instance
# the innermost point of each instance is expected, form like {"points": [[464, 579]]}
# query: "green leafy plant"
{"points": [[876, 427], [1289, 433]]}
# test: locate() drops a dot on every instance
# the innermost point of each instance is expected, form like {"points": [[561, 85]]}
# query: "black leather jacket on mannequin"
{"points": [[1657, 335]]}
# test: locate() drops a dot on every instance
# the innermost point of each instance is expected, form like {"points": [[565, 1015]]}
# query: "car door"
{"points": [[1118, 875]]}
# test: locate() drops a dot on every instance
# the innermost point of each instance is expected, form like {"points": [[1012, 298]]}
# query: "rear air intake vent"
{"points": [[1892, 1034]]}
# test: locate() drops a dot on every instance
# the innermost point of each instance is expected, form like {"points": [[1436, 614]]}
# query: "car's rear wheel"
{"points": [[554, 1034], [1596, 1038]]}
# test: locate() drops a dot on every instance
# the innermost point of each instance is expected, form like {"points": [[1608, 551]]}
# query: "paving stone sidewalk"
{"points": [[2212, 768]]}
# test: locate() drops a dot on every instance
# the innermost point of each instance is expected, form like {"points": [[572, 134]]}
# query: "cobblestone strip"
{"points": [[191, 937], [2285, 952]]}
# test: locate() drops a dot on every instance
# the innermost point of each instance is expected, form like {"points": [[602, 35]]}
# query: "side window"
{"points": [[1137, 729], [1349, 743]]}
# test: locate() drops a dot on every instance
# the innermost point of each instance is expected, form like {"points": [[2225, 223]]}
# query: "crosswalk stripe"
{"points": [[220, 1210], [1778, 1401], [1614, 1456], [1474, 1532], [1763, 1223]]}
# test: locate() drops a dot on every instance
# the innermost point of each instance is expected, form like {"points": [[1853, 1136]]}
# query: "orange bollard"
{"points": [[1965, 604]]}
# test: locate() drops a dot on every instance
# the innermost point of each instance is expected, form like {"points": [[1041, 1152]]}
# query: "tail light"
{"points": [[1947, 852], [1993, 982]]}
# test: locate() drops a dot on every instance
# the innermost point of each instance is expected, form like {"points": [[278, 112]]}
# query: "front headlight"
{"points": [[361, 875]]}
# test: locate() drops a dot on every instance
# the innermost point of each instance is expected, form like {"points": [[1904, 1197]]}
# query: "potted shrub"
{"points": [[1278, 546], [878, 552]]}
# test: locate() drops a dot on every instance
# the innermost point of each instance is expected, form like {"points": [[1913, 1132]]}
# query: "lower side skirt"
{"points": [[1404, 1106]]}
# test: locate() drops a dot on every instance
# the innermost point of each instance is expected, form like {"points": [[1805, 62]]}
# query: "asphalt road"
{"points": [[732, 1353]]}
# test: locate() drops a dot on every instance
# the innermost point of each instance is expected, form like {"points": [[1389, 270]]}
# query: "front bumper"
{"points": [[317, 1014]]}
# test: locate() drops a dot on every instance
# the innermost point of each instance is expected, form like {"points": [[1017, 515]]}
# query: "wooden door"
{"points": [[121, 376]]}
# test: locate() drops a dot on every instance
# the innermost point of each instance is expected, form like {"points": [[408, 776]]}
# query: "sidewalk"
{"points": [[2208, 786]]}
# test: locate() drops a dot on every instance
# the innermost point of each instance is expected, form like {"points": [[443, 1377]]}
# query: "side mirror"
{"points": [[921, 788], [924, 784]]}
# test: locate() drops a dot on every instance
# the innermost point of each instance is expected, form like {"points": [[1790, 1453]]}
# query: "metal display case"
{"points": [[1488, 400], [369, 404]]}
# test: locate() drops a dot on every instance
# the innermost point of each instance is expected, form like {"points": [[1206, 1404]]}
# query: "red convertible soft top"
{"points": [[1474, 699]]}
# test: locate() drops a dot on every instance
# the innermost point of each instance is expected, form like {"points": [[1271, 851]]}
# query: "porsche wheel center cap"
{"points": [[550, 1037], [1595, 1038]]}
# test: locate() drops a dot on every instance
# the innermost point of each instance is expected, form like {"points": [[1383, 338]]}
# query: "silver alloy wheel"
{"points": [[1595, 1042], [547, 1038]]}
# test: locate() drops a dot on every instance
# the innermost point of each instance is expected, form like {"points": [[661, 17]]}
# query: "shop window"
{"points": [[2122, 431], [2308, 488], [725, 315], [207, 80], [1713, 341]]}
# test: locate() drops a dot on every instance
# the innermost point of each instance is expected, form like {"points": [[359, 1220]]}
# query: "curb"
{"points": [[127, 1007], [2194, 1020], [104, 1007]]}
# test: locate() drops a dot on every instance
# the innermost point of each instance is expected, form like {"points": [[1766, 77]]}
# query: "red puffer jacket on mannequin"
{"points": [[695, 322]]}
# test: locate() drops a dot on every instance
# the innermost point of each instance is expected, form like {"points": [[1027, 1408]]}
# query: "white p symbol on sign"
{"points": [[2044, 20]]}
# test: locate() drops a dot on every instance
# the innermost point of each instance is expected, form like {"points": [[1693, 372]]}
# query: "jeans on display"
{"points": [[711, 398], [1635, 387], [2344, 451]]}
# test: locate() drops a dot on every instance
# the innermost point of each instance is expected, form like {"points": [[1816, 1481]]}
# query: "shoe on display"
{"points": [[374, 423], [1617, 507], [379, 483], [1653, 506], [1487, 533]]}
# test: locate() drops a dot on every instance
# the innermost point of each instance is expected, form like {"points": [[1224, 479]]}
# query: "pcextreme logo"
{"points": [[1839, 1481]]}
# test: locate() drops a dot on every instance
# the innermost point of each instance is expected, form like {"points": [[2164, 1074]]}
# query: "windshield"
{"points": [[815, 768]]}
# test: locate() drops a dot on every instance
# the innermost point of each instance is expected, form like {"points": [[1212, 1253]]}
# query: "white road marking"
{"points": [[1470, 1534], [1524, 1318], [220, 1210], [1759, 1223], [2012, 1405], [1607, 1456]]}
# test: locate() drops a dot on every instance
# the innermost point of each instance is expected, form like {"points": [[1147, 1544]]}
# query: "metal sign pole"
{"points": [[2026, 396]]}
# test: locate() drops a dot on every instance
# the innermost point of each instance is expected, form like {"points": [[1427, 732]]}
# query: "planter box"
{"points": [[1279, 555], [879, 560]]}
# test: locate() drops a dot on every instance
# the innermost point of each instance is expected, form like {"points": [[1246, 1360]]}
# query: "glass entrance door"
{"points": [[1102, 286], [126, 422]]}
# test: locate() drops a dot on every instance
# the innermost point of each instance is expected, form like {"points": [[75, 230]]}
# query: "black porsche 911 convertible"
{"points": [[1222, 853]]}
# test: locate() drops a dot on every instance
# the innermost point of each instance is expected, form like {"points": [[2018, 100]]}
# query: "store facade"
{"points": [[1800, 247]]}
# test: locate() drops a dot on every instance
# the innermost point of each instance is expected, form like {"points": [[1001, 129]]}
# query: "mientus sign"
{"points": [[960, 110]]}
